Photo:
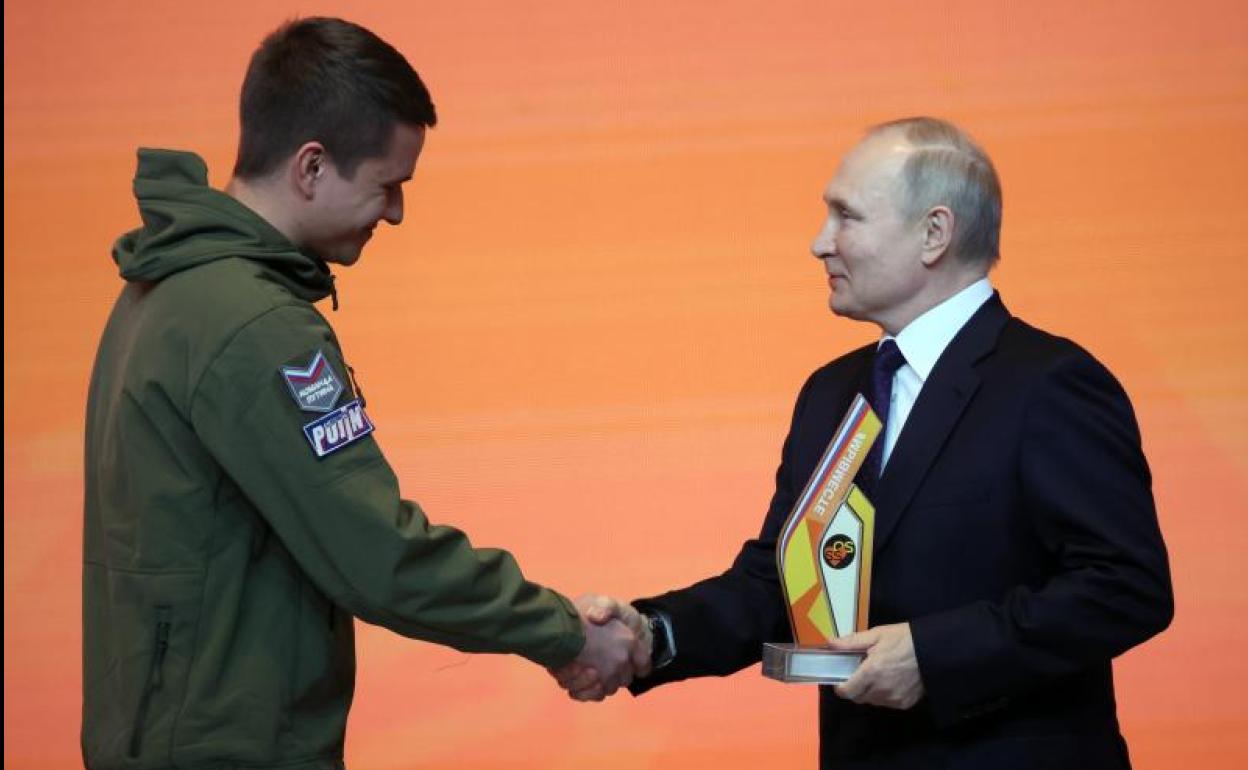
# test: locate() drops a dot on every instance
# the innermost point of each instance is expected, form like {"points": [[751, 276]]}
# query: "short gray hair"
{"points": [[948, 168]]}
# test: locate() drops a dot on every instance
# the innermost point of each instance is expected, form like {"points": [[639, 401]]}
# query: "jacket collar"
{"points": [[941, 403]]}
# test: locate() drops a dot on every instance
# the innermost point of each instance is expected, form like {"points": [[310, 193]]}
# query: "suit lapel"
{"points": [[941, 402]]}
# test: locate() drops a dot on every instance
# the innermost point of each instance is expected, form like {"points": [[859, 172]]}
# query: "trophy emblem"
{"points": [[824, 557]]}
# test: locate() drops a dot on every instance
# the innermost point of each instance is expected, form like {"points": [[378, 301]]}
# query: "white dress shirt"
{"points": [[922, 342]]}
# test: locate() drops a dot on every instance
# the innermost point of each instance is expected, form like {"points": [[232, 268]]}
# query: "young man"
{"points": [[238, 512]]}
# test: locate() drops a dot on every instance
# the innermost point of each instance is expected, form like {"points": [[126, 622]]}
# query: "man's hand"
{"points": [[592, 678], [600, 609], [889, 676]]}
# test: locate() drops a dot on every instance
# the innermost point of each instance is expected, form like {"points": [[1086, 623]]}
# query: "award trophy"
{"points": [[824, 556]]}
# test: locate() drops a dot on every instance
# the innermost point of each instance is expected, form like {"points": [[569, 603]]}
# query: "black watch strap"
{"points": [[663, 645]]}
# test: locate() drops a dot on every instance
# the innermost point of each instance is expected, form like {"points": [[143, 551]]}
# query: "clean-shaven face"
{"points": [[871, 251], [346, 211]]}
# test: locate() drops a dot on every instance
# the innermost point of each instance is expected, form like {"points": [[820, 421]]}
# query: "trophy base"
{"points": [[811, 665]]}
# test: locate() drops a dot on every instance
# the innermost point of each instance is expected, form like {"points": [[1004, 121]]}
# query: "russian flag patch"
{"points": [[316, 387]]}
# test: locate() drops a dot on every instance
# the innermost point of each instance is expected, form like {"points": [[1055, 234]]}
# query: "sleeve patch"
{"points": [[346, 424], [315, 387]]}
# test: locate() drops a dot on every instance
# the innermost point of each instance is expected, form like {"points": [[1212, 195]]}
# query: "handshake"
{"points": [[617, 648]]}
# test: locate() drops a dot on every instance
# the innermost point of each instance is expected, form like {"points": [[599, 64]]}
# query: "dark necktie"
{"points": [[888, 359]]}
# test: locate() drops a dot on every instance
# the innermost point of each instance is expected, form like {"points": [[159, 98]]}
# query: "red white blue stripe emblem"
{"points": [[315, 387]]}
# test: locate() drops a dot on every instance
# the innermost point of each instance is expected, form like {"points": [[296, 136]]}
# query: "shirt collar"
{"points": [[926, 337]]}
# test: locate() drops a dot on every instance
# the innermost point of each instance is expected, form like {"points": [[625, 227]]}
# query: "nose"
{"points": [[824, 244], [394, 206]]}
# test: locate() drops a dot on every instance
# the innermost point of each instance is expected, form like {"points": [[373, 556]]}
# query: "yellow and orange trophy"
{"points": [[824, 555]]}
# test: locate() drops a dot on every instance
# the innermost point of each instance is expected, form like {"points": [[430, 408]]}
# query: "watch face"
{"points": [[661, 650]]}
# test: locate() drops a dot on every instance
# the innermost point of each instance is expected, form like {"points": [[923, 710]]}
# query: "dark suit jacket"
{"points": [[1015, 532]]}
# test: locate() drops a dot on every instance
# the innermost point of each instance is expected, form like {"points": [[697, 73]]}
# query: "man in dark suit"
{"points": [[1017, 549]]}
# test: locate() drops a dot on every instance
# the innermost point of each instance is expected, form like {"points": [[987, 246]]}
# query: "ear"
{"points": [[309, 167], [937, 227]]}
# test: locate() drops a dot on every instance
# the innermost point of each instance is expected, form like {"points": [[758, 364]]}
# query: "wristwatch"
{"points": [[663, 641]]}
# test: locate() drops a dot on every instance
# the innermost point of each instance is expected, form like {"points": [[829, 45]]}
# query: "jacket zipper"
{"points": [[155, 677]]}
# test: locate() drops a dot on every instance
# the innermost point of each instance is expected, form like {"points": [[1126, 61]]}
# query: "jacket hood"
{"points": [[187, 223]]}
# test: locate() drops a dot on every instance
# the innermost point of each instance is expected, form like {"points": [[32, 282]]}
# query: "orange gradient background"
{"points": [[584, 341]]}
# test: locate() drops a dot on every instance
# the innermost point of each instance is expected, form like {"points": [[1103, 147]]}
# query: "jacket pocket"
{"points": [[155, 676]]}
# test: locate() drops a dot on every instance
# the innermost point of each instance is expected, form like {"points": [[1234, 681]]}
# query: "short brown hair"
{"points": [[326, 80]]}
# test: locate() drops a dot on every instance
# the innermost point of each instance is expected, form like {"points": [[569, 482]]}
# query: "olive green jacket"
{"points": [[224, 557]]}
